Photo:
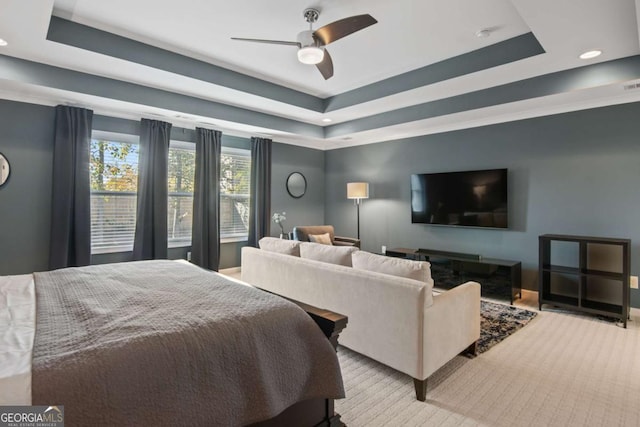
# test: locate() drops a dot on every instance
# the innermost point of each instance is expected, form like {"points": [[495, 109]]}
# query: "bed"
{"points": [[162, 343]]}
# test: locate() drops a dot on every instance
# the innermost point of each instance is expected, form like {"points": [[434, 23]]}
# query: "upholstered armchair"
{"points": [[302, 233]]}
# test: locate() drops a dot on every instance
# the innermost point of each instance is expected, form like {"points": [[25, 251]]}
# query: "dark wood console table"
{"points": [[461, 262]]}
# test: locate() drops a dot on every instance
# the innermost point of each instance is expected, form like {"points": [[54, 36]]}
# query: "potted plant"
{"points": [[279, 218]]}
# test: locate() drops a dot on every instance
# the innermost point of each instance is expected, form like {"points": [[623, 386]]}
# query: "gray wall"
{"points": [[574, 173], [26, 138], [309, 209]]}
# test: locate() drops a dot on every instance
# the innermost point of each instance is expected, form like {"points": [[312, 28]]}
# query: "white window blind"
{"points": [[181, 175], [235, 171], [114, 184], [114, 179]]}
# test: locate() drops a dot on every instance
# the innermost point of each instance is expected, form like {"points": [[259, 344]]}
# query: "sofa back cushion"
{"points": [[340, 255], [416, 270], [282, 246]]}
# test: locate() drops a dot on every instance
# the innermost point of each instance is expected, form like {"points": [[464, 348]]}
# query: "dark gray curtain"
{"points": [[260, 203], [151, 218], [70, 244], [205, 246]]}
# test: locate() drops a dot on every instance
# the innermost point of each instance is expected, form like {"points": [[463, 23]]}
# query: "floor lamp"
{"points": [[358, 191]]}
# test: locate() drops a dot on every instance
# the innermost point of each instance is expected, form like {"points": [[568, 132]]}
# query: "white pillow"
{"points": [[282, 246], [416, 270], [340, 255], [324, 239]]}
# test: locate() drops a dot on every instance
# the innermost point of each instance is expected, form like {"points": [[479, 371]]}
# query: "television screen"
{"points": [[471, 198]]}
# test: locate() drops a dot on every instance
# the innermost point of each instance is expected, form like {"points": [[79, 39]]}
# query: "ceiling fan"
{"points": [[311, 44]]}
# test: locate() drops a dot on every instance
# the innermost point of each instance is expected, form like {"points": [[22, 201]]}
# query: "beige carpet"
{"points": [[559, 370]]}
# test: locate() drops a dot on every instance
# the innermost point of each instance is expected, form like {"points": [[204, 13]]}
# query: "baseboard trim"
{"points": [[231, 270]]}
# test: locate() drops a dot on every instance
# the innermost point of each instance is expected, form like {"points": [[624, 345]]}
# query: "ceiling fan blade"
{"points": [[282, 42], [339, 29], [326, 66]]}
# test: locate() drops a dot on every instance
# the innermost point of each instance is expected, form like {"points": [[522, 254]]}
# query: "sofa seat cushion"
{"points": [[416, 270], [340, 255], [282, 246], [324, 239]]}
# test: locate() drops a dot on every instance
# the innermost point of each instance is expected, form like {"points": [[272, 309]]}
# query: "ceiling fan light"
{"points": [[310, 55]]}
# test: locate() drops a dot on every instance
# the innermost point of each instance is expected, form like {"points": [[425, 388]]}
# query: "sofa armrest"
{"points": [[346, 241], [451, 325]]}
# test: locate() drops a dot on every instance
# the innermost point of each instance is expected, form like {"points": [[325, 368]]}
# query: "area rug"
{"points": [[498, 321]]}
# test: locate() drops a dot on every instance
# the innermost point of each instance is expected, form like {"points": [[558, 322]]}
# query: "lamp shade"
{"points": [[357, 190]]}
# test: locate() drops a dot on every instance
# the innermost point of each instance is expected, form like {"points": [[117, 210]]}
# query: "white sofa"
{"points": [[393, 320]]}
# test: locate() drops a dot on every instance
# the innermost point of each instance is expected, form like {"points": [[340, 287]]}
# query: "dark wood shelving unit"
{"points": [[580, 281]]}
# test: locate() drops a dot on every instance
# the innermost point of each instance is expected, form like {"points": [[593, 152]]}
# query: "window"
{"points": [[235, 167], [181, 175], [114, 183], [235, 170]]}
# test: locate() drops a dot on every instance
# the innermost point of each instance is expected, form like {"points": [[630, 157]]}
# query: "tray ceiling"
{"points": [[420, 70]]}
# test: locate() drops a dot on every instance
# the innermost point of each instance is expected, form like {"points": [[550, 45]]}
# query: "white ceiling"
{"points": [[410, 34]]}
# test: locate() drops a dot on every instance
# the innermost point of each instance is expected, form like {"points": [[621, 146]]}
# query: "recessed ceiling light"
{"points": [[327, 120], [3, 42], [484, 33], [591, 54]]}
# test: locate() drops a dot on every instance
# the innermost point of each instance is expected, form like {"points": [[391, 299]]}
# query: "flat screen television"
{"points": [[470, 198]]}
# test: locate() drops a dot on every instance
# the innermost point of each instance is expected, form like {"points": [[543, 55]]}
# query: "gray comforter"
{"points": [[164, 343]]}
